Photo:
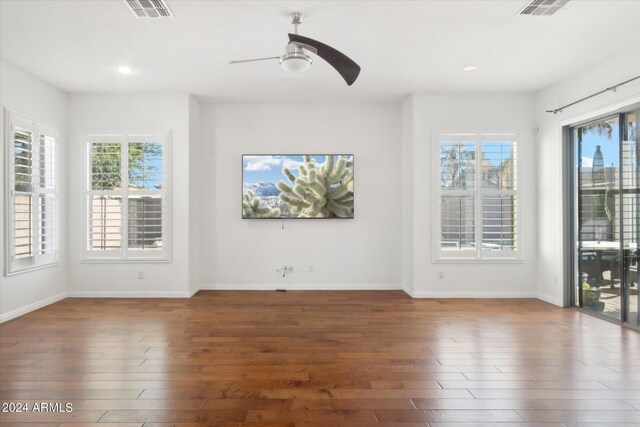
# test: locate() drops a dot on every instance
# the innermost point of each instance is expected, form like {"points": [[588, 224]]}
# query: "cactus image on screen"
{"points": [[320, 191], [251, 207], [304, 186]]}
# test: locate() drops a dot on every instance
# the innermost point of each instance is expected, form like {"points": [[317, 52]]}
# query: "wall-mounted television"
{"points": [[307, 186]]}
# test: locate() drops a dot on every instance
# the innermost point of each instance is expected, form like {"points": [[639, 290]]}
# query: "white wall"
{"points": [[195, 165], [407, 194], [551, 242], [130, 113], [364, 252], [23, 93], [429, 114]]}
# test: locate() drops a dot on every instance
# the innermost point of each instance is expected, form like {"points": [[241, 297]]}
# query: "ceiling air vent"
{"points": [[149, 8], [542, 7]]}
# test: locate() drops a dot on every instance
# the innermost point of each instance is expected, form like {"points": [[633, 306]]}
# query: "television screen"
{"points": [[297, 186]]}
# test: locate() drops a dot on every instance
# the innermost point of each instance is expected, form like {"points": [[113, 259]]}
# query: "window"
{"points": [[127, 215], [32, 207], [477, 210]]}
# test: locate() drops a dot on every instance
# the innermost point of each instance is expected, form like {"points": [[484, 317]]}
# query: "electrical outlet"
{"points": [[140, 274], [311, 269], [440, 274]]}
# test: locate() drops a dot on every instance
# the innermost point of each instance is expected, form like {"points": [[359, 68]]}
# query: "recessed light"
{"points": [[125, 70], [470, 68]]}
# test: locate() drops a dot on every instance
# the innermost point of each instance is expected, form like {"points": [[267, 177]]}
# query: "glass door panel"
{"points": [[606, 208], [630, 174], [598, 222]]}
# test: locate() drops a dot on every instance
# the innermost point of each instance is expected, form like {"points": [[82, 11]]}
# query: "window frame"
{"points": [[37, 260], [126, 255], [478, 255]]}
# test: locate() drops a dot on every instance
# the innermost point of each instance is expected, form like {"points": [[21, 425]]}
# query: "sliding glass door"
{"points": [[606, 217], [630, 176]]}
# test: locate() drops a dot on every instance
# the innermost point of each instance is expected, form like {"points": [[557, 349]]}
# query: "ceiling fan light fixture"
{"points": [[296, 64], [295, 60]]}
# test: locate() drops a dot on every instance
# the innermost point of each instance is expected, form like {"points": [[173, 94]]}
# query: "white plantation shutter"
{"points": [[146, 195], [145, 222], [47, 199], [104, 222], [127, 198], [457, 187], [499, 215], [477, 213], [22, 226], [104, 198], [458, 223], [22, 140], [47, 224], [33, 199], [105, 165], [22, 191], [498, 195]]}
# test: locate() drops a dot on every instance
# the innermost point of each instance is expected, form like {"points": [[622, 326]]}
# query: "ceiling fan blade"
{"points": [[344, 65], [253, 60]]}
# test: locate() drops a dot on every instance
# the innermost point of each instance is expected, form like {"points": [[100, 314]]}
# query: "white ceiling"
{"points": [[402, 46]]}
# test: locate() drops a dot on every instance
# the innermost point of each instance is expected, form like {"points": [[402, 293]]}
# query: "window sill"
{"points": [[34, 268]]}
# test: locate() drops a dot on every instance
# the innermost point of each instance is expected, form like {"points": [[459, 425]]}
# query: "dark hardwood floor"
{"points": [[319, 359]]}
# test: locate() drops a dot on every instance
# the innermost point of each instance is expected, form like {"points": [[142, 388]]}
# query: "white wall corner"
{"points": [[549, 299], [32, 307], [407, 290]]}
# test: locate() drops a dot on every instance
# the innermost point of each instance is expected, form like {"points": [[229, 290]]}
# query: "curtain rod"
{"points": [[609, 89]]}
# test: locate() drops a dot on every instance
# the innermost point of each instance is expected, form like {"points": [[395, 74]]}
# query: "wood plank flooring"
{"points": [[319, 359]]}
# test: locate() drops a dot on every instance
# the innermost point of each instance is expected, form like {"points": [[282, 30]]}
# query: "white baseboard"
{"points": [[550, 299], [497, 295], [32, 307], [130, 294], [301, 287]]}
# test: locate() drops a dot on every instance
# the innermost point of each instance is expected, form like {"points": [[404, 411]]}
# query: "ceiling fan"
{"points": [[295, 58]]}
